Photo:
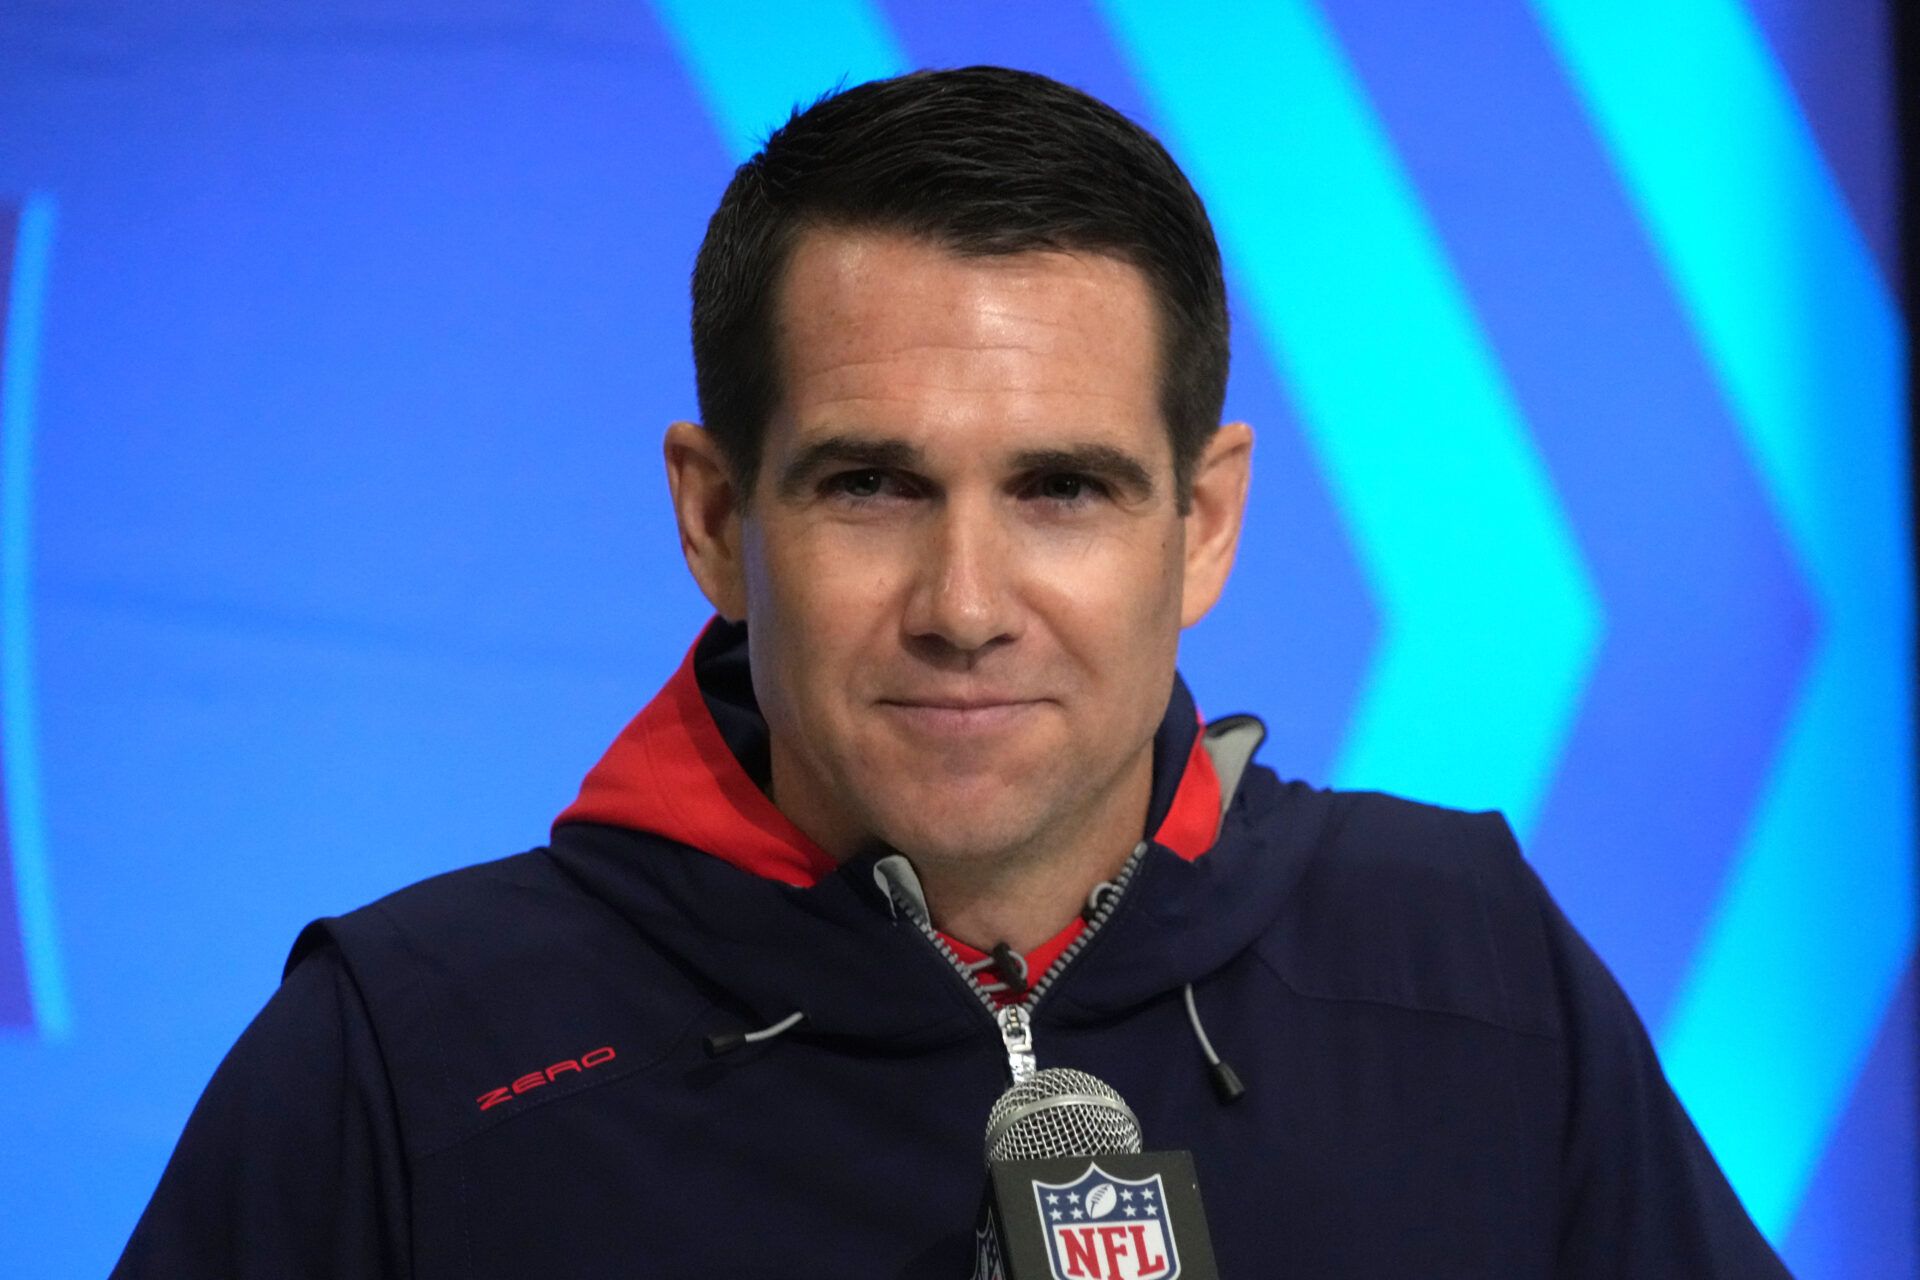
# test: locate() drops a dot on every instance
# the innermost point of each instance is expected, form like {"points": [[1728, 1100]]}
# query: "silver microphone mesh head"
{"points": [[1060, 1112]]}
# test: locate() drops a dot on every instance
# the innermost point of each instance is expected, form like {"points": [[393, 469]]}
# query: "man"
{"points": [[927, 802]]}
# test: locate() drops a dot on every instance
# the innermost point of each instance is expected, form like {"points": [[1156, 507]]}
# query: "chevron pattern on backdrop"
{"points": [[1568, 328], [1483, 498]]}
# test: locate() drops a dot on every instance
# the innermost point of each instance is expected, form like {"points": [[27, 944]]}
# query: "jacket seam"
{"points": [[1486, 919], [392, 926], [1259, 949]]}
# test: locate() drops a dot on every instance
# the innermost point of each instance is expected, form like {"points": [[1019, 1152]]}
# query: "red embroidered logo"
{"points": [[534, 1079]]}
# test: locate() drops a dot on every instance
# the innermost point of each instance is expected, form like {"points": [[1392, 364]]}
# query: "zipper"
{"points": [[1015, 1020], [1016, 1036], [1109, 901]]}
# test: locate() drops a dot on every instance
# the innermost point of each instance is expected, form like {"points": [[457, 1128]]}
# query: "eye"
{"points": [[867, 483], [1065, 487]]}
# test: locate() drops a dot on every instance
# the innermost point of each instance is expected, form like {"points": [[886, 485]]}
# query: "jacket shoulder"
{"points": [[496, 911], [480, 980], [1423, 907]]}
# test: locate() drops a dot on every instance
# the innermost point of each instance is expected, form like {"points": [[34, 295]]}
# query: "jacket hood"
{"points": [[769, 919]]}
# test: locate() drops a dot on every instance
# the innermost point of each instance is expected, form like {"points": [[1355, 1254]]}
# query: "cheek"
{"points": [[1121, 589], [813, 606]]}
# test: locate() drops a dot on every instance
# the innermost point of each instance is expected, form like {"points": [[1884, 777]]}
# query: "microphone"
{"points": [[1071, 1195], [1060, 1112]]}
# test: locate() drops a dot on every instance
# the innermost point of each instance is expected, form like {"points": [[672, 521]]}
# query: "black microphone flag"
{"points": [[1110, 1217], [1070, 1195]]}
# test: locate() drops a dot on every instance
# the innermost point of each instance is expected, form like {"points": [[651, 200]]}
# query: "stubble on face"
{"points": [[963, 556]]}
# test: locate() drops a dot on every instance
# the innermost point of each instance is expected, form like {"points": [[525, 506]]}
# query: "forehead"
{"points": [[885, 331]]}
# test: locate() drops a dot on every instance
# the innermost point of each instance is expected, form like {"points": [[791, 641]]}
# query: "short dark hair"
{"points": [[979, 160]]}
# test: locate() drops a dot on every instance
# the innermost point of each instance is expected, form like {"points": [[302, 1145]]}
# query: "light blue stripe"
{"points": [[1789, 986], [1490, 622], [755, 60], [20, 750]]}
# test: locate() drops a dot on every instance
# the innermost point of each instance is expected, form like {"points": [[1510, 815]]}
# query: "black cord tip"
{"points": [[1226, 1085], [723, 1042], [1010, 967]]}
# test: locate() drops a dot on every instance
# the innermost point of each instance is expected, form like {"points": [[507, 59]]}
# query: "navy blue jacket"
{"points": [[502, 1072]]}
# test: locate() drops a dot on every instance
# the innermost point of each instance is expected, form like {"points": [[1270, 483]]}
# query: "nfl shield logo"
{"points": [[1100, 1227], [986, 1254]]}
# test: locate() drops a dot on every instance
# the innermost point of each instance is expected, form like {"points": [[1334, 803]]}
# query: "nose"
{"points": [[963, 600]]}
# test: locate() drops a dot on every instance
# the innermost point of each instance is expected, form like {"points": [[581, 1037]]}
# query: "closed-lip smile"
{"points": [[940, 714]]}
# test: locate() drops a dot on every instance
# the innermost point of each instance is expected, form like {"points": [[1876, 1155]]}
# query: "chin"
{"points": [[949, 830]]}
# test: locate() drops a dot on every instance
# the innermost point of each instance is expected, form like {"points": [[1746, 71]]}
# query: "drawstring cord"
{"points": [[1006, 964], [1009, 967], [727, 1041], [1226, 1085]]}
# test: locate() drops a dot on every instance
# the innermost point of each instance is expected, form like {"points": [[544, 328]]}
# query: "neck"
{"points": [[1022, 910], [1025, 897]]}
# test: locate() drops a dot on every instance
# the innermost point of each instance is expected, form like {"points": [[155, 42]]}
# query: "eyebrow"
{"points": [[847, 451], [1104, 462], [1116, 466]]}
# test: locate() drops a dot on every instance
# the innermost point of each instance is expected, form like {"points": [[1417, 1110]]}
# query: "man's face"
{"points": [[963, 566]]}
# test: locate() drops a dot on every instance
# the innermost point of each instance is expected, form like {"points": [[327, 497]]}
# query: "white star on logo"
{"points": [[1074, 1196], [1078, 1214], [1052, 1198], [1146, 1195], [1126, 1195], [1129, 1211], [1055, 1214]]}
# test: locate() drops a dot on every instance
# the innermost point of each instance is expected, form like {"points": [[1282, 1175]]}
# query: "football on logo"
{"points": [[1100, 1227]]}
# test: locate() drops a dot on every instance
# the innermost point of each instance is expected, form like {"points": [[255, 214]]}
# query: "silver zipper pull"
{"points": [[1016, 1033]]}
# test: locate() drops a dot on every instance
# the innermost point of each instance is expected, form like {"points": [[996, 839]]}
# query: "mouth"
{"points": [[959, 717]]}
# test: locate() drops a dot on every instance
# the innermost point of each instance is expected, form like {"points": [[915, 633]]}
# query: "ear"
{"points": [[1213, 518], [706, 502]]}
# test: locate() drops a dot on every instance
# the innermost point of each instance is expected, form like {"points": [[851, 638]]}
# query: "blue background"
{"points": [[338, 340]]}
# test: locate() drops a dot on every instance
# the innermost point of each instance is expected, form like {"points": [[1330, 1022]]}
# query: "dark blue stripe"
{"points": [[1857, 1218], [1838, 56], [1708, 624]]}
